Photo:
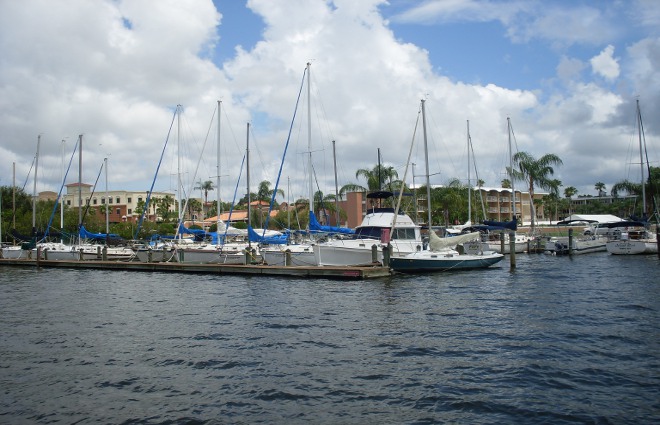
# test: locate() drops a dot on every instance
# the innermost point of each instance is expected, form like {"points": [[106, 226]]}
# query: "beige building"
{"points": [[497, 201], [123, 204]]}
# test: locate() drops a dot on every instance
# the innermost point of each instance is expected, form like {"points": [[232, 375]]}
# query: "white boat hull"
{"points": [[632, 247], [84, 252], [352, 252], [289, 255], [211, 255], [430, 261], [15, 253], [559, 246]]}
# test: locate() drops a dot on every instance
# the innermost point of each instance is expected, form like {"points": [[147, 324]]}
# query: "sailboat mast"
{"points": [[426, 158], [178, 167], [641, 156], [13, 195], [309, 136], [61, 197], [468, 180], [34, 189], [513, 189], [217, 179], [107, 199], [80, 181], [247, 175], [334, 156]]}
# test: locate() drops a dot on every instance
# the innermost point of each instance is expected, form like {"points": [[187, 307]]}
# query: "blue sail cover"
{"points": [[99, 237], [501, 225], [315, 226], [274, 240]]}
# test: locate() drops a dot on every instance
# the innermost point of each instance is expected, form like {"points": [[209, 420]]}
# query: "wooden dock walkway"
{"points": [[326, 272]]}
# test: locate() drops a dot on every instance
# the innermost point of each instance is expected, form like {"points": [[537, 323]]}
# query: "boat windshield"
{"points": [[374, 232]]}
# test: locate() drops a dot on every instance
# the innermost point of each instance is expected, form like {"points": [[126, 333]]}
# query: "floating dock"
{"points": [[325, 272]]}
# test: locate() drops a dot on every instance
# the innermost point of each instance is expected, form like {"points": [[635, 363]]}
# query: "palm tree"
{"points": [[376, 179], [265, 193], [206, 187], [600, 187], [506, 184], [569, 192], [534, 172], [626, 186]]}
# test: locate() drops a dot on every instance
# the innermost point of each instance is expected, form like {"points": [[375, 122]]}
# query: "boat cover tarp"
{"points": [[501, 225], [273, 240], [590, 218], [37, 236], [315, 226], [436, 243], [107, 238]]}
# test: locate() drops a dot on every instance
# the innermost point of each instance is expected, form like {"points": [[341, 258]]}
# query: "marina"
{"points": [[328, 272]]}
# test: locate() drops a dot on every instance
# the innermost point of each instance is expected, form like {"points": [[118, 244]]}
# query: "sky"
{"points": [[566, 74]]}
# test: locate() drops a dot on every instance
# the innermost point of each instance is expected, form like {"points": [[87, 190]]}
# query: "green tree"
{"points": [[535, 173], [205, 187], [569, 192], [376, 179], [600, 187]]}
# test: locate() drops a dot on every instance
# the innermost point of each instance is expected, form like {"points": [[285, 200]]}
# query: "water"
{"points": [[557, 341]]}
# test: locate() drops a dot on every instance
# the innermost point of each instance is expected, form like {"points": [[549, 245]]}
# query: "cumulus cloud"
{"points": [[115, 70], [605, 64]]}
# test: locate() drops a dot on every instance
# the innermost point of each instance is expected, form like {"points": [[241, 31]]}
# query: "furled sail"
{"points": [[436, 243], [315, 226]]}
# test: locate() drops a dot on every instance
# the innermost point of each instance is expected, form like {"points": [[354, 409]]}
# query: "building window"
{"points": [[109, 200], [117, 199], [130, 211], [118, 211], [129, 201], [87, 201], [94, 201], [68, 202], [139, 199]]}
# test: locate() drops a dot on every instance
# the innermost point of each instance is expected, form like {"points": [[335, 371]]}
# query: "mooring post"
{"points": [[287, 257], [374, 253], [512, 249], [387, 252], [570, 241], [657, 237], [98, 252], [104, 253]]}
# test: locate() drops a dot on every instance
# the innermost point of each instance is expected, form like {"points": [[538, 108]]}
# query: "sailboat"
{"points": [[297, 254], [381, 228], [441, 254], [23, 251], [638, 239], [219, 250], [87, 248], [500, 233]]}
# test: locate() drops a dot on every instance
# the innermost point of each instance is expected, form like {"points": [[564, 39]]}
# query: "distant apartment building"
{"points": [[123, 205], [498, 203]]}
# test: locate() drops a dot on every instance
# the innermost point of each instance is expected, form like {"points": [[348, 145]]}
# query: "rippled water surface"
{"points": [[557, 341]]}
